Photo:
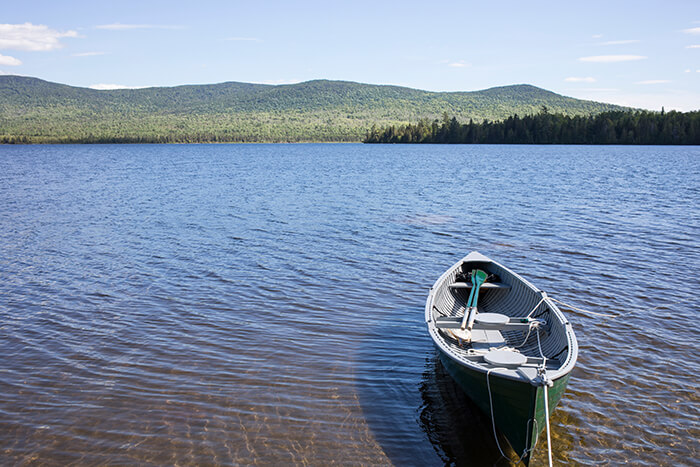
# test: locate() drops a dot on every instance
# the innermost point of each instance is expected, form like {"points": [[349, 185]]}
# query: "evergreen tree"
{"points": [[546, 128]]}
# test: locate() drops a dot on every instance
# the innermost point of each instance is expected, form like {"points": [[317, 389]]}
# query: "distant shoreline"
{"points": [[299, 143], [174, 143]]}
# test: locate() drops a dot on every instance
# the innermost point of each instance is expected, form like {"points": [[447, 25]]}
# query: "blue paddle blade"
{"points": [[478, 278], [471, 293]]}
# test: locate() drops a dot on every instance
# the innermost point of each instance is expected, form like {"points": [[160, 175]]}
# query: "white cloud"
{"points": [[244, 39], [109, 87], [612, 58], [9, 61], [88, 54], [653, 81], [34, 37], [597, 36], [575, 79], [694, 46], [459, 64], [694, 31], [122, 27], [630, 41]]}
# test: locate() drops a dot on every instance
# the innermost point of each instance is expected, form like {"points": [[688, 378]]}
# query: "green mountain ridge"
{"points": [[37, 111]]}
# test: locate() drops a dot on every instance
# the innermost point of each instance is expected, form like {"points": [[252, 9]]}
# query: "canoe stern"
{"points": [[518, 406]]}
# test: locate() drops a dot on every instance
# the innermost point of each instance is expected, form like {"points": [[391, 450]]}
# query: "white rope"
{"points": [[606, 315], [545, 382], [544, 296], [539, 346], [533, 324], [537, 437], [546, 416], [493, 420]]}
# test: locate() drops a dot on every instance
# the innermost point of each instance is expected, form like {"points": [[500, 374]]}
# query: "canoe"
{"points": [[520, 348]]}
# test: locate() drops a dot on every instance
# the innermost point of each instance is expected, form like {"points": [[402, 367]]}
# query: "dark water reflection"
{"points": [[456, 427], [263, 304]]}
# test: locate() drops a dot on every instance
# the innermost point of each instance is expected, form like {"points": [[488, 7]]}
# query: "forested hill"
{"points": [[33, 110]]}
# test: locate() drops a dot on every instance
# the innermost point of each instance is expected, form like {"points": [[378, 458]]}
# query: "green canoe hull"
{"points": [[515, 403]]}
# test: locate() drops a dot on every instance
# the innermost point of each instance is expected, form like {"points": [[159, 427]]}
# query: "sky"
{"points": [[640, 53]]}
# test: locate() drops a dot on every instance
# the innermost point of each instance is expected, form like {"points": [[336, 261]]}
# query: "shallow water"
{"points": [[263, 304]]}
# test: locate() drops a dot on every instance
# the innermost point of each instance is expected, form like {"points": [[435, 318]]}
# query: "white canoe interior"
{"points": [[511, 315]]}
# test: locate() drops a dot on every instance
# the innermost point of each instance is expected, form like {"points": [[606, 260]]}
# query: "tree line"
{"points": [[614, 127]]}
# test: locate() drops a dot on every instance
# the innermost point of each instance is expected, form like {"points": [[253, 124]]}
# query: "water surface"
{"points": [[263, 304]]}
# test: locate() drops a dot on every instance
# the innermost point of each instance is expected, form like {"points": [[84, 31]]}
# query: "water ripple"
{"points": [[263, 304]]}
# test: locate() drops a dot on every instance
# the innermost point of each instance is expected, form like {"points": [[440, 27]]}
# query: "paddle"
{"points": [[467, 308], [478, 278]]}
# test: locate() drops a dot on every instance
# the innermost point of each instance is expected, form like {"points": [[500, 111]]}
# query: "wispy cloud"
{"points": [[694, 31], [110, 87], [575, 79], [694, 46], [123, 27], [597, 36], [459, 64], [243, 39], [653, 81], [9, 61], [87, 54], [32, 37], [628, 41], [612, 58]]}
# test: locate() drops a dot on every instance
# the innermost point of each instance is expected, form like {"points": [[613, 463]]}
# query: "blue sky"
{"points": [[637, 53]]}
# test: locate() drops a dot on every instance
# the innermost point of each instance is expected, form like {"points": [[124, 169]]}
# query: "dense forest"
{"points": [[616, 127], [38, 111]]}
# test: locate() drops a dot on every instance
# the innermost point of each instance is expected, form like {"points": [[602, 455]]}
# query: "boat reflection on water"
{"points": [[460, 433]]}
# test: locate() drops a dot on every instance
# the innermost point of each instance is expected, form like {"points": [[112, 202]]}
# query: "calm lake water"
{"points": [[263, 304]]}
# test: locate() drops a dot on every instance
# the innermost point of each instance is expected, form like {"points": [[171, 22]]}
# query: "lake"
{"points": [[263, 304]]}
